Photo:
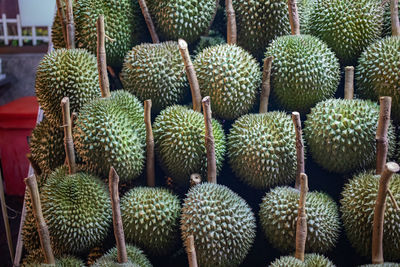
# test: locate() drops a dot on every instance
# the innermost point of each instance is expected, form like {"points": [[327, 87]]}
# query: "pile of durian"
{"points": [[175, 127]]}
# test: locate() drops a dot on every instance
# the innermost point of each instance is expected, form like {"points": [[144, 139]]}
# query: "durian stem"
{"points": [[5, 219], [68, 140], [349, 82], [382, 132], [63, 19], [266, 84], [149, 21], [113, 180], [394, 16], [191, 251], [102, 58], [191, 75], [393, 200], [210, 143], [299, 148], [70, 26], [379, 212], [294, 17], [43, 230], [195, 179], [34, 164], [149, 144], [231, 23], [301, 226]]}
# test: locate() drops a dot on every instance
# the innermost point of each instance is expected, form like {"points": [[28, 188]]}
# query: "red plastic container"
{"points": [[17, 120]]}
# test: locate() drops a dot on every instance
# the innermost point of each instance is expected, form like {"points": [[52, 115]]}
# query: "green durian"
{"points": [[36, 258], [278, 216], [57, 36], [310, 260], [212, 39], [305, 7], [77, 211], [156, 72], [304, 72], [358, 204], [179, 136], [347, 26], [221, 222], [262, 149], [66, 73], [136, 258], [186, 19], [150, 218], [110, 132], [231, 77], [259, 22], [377, 73], [340, 134]]}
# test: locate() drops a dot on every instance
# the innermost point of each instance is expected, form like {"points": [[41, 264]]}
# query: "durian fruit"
{"points": [[340, 134], [278, 213], [259, 22], [221, 222], [347, 26], [262, 149], [186, 19], [310, 260], [156, 72], [357, 207], [151, 219], [135, 255], [231, 77], [304, 72], [35, 258], [111, 132], [212, 39], [179, 143], [47, 146], [304, 8], [77, 210], [66, 73]]}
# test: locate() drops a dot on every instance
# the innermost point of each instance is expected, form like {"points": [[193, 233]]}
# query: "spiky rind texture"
{"points": [[347, 26], [57, 36], [212, 39], [150, 218], [221, 222], [156, 72], [304, 8], [386, 264], [259, 22], [186, 19], [135, 256], [179, 136], [304, 71], [77, 210], [377, 73], [340, 134], [310, 260], [111, 132], [358, 204], [278, 216], [231, 77], [47, 146], [36, 258], [66, 73], [262, 149]]}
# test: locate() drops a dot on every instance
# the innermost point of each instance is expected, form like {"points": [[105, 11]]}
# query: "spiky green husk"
{"points": [[358, 204], [66, 73], [231, 77], [77, 210], [179, 134], [310, 260], [304, 72], [386, 264], [212, 39], [111, 133], [135, 256], [47, 146], [378, 72], [347, 26], [156, 72], [278, 216], [340, 134], [304, 8], [35, 258], [221, 222], [259, 22], [262, 149], [186, 19], [150, 217], [57, 36]]}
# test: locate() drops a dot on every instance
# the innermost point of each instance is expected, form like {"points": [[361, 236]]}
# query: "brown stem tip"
{"points": [[149, 21], [149, 144], [191, 251], [301, 227], [349, 83], [266, 84], [294, 17], [299, 148], [68, 140], [102, 58], [70, 26], [210, 143], [231, 23], [382, 133]]}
